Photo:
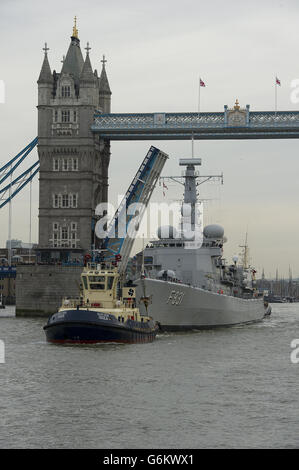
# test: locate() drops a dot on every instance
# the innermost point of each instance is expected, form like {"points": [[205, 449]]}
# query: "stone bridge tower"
{"points": [[73, 162]]}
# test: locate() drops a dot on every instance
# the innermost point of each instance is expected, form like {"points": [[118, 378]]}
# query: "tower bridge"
{"points": [[231, 124], [75, 127]]}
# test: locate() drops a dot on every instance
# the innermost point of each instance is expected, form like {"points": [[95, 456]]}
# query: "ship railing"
{"points": [[72, 303], [75, 302], [129, 303], [101, 265], [72, 263]]}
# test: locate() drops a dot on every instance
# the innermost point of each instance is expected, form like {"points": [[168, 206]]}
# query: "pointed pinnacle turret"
{"points": [[45, 75], [103, 81], [73, 62], [87, 74]]}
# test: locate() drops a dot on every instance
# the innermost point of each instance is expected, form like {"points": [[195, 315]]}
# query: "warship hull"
{"points": [[177, 306]]}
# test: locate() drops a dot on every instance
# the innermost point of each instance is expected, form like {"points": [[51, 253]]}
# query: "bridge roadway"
{"points": [[231, 124]]}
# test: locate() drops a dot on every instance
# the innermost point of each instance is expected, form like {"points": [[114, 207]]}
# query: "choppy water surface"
{"points": [[233, 387]]}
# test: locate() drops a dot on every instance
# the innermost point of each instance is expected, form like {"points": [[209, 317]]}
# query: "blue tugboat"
{"points": [[103, 313]]}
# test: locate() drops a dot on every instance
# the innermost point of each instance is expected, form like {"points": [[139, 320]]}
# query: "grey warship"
{"points": [[185, 283]]}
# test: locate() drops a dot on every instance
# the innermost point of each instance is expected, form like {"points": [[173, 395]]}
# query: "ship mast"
{"points": [[142, 272], [190, 196], [245, 253], [191, 179]]}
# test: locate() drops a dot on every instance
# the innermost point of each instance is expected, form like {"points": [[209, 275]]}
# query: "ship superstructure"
{"points": [[186, 282]]}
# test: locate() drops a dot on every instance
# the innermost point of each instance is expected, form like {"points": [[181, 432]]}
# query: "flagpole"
{"points": [[275, 95], [192, 145], [199, 95], [198, 116]]}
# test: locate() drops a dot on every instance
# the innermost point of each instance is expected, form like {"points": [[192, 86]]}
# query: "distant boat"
{"points": [[275, 299]]}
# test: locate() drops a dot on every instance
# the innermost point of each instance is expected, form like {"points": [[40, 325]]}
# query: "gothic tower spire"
{"points": [[87, 74], [104, 89], [73, 62], [45, 75]]}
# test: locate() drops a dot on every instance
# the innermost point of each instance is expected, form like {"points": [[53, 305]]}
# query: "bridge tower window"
{"points": [[65, 164], [75, 164], [66, 91], [55, 164], [64, 235], [65, 201], [65, 115], [74, 200], [56, 200]]}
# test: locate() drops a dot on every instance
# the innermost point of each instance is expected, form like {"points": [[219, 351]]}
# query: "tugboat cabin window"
{"points": [[84, 282], [96, 286], [96, 282], [97, 279], [110, 282]]}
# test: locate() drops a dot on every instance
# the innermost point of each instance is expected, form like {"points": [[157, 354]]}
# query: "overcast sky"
{"points": [[156, 51]]}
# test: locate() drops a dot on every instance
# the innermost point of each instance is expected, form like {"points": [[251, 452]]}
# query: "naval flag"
{"points": [[201, 84]]}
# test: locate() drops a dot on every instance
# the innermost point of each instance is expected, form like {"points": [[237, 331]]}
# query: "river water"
{"points": [[225, 388]]}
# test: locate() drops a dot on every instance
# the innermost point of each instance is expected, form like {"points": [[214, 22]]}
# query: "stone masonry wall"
{"points": [[40, 288]]}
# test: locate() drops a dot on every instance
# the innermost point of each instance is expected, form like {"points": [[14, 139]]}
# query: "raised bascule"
{"points": [[75, 127]]}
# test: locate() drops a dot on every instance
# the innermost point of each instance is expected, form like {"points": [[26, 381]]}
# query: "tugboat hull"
{"points": [[82, 326]]}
